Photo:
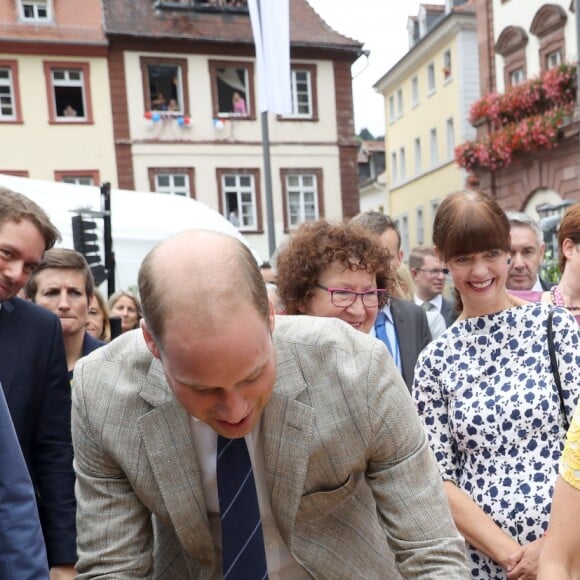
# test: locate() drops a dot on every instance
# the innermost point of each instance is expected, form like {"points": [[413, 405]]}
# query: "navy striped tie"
{"points": [[243, 553]]}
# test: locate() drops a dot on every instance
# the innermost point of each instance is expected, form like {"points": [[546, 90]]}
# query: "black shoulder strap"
{"points": [[554, 365]]}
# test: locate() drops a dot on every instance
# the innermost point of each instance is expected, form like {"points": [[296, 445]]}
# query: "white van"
{"points": [[138, 220]]}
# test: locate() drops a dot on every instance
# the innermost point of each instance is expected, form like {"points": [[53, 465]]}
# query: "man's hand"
{"points": [[524, 565], [64, 572]]}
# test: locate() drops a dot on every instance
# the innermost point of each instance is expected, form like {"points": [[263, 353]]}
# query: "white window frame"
{"points": [[415, 91], [400, 108], [402, 164], [295, 93], [448, 65], [79, 179], [517, 77], [450, 128], [431, 86], [7, 99], [172, 188], [178, 82], [301, 191], [433, 145], [420, 226], [394, 169], [403, 226], [554, 59], [434, 205], [38, 7], [392, 108], [248, 216], [418, 159], [68, 82]]}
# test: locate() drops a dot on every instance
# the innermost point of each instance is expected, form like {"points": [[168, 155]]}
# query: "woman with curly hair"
{"points": [[334, 270]]}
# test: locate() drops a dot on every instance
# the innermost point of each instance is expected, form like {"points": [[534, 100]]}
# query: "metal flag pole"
{"points": [[271, 29], [268, 185]]}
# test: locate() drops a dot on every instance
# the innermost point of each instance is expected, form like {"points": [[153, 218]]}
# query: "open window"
{"points": [[68, 92], [165, 85], [240, 198], [232, 89]]}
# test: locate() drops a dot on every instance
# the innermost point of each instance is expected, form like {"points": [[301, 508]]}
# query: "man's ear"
{"points": [[542, 251], [271, 317], [149, 340]]}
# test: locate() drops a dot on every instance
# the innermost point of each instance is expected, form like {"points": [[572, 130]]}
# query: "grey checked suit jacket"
{"points": [[348, 467]]}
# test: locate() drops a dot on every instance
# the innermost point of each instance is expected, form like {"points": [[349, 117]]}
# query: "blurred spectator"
{"points": [[126, 305], [238, 104], [63, 283], [527, 253], [268, 273], [98, 318]]}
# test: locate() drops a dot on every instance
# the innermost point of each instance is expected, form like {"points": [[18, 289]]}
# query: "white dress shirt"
{"points": [[281, 563]]}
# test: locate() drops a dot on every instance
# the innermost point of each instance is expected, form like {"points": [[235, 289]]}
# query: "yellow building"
{"points": [[427, 97]]}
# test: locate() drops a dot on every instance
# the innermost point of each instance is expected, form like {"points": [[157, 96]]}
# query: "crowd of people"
{"points": [[357, 418]]}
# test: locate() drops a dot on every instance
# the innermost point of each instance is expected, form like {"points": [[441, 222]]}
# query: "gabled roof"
{"points": [[141, 18]]}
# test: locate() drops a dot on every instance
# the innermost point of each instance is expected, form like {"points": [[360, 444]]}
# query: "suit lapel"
{"points": [[167, 437], [402, 323], [10, 338]]}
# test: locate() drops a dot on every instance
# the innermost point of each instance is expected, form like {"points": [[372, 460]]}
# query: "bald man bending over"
{"points": [[215, 407]]}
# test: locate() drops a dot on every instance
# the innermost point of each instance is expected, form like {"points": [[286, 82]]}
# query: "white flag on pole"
{"points": [[271, 28]]}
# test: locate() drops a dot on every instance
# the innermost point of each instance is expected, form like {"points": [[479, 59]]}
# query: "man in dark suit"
{"points": [[23, 554], [402, 325], [429, 278], [33, 374], [527, 253]]}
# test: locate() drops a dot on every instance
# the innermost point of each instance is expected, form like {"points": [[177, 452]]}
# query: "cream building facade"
{"points": [[427, 97], [55, 106], [198, 56]]}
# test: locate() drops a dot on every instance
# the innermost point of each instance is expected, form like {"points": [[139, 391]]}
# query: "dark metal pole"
{"points": [[108, 236], [268, 184]]}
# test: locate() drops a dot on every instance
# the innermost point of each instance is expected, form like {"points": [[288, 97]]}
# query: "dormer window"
{"points": [[35, 11]]}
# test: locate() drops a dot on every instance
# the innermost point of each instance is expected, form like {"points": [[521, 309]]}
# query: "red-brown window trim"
{"points": [[93, 173], [213, 66], [220, 172], [13, 66], [511, 44], [189, 171], [181, 62], [15, 172], [49, 65], [317, 171], [312, 69], [548, 25]]}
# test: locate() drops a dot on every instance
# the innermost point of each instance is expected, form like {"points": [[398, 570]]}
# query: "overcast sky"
{"points": [[382, 26]]}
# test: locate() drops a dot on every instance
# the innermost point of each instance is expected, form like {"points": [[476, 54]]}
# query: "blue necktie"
{"points": [[243, 553], [381, 332]]}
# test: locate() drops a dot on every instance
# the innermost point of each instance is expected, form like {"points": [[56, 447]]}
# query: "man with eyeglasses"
{"points": [[400, 324], [429, 278]]}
